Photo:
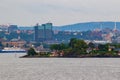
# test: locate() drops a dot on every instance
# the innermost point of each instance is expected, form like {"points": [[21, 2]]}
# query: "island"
{"points": [[76, 48]]}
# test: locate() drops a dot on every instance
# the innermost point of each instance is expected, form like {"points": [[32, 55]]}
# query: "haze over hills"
{"points": [[25, 28], [88, 26], [82, 26]]}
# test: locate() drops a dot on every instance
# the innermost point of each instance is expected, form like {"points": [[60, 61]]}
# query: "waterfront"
{"points": [[14, 68]]}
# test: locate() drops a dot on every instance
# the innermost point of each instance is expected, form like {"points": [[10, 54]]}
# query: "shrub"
{"points": [[31, 52]]}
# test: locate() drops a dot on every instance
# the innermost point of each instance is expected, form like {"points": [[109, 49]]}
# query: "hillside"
{"points": [[87, 26], [81, 26]]}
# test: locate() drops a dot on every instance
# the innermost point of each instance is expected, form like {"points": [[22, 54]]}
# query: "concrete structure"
{"points": [[101, 42], [4, 28], [12, 28], [14, 43], [43, 32]]}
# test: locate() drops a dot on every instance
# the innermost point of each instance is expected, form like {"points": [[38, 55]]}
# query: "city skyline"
{"points": [[26, 12]]}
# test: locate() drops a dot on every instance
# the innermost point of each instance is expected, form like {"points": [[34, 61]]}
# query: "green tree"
{"points": [[72, 42], [116, 45], [31, 52], [77, 47], [54, 47], [103, 47], [91, 45], [80, 46], [61, 46]]}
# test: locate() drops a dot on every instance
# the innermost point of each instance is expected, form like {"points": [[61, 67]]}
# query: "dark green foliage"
{"points": [[116, 45], [99, 53], [31, 52], [80, 44], [54, 47], [91, 45], [75, 47], [59, 46], [104, 47], [72, 42], [44, 54], [78, 48]]}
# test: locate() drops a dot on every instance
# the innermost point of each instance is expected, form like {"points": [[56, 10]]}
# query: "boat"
{"points": [[12, 50]]}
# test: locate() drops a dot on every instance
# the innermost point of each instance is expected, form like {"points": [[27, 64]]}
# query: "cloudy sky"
{"points": [[59, 12]]}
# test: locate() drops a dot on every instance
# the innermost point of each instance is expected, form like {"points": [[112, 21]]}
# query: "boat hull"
{"points": [[13, 51]]}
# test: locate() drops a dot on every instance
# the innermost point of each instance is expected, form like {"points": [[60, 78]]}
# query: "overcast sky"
{"points": [[59, 12]]}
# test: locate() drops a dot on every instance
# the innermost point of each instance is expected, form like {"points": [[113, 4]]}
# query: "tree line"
{"points": [[79, 48]]}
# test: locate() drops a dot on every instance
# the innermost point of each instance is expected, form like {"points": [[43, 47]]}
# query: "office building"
{"points": [[12, 28], [43, 32]]}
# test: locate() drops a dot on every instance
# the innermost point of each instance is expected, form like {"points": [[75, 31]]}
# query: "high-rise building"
{"points": [[48, 31], [12, 28], [43, 32]]}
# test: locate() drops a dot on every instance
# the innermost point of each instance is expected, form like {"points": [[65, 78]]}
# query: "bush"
{"points": [[31, 52]]}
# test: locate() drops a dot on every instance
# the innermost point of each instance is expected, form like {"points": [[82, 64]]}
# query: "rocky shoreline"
{"points": [[83, 56]]}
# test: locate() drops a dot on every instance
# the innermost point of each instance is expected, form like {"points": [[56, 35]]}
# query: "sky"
{"points": [[59, 12]]}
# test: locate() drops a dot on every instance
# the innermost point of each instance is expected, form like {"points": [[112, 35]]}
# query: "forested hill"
{"points": [[87, 26]]}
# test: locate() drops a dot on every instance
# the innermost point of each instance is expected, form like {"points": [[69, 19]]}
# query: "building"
{"points": [[4, 28], [14, 43], [12, 28], [43, 32], [101, 42]]}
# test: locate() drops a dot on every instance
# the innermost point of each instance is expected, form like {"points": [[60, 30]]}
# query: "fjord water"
{"points": [[14, 68]]}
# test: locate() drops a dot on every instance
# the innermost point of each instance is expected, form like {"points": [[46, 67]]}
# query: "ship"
{"points": [[12, 50]]}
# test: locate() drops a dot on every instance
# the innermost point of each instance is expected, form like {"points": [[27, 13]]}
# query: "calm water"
{"points": [[14, 68]]}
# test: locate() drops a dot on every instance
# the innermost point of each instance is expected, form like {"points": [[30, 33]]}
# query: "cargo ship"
{"points": [[12, 50]]}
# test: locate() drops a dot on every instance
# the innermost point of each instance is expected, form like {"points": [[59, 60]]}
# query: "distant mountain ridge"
{"points": [[25, 28], [88, 26], [80, 26]]}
